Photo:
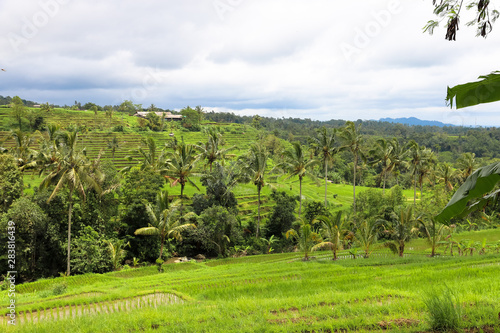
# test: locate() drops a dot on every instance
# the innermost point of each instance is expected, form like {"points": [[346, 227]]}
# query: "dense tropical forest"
{"points": [[91, 188]]}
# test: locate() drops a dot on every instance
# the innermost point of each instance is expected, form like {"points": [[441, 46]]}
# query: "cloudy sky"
{"points": [[318, 59]]}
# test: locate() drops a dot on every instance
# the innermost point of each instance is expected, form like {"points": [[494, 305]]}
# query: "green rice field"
{"points": [[269, 293]]}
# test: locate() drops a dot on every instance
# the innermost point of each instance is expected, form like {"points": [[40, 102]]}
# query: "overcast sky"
{"points": [[318, 59]]}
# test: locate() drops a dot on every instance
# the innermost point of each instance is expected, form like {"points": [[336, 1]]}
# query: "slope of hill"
{"points": [[412, 121]]}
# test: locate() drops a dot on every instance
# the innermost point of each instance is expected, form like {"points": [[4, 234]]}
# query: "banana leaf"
{"points": [[481, 182], [486, 90]]}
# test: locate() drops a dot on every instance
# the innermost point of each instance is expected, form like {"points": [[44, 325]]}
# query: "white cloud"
{"points": [[273, 57]]}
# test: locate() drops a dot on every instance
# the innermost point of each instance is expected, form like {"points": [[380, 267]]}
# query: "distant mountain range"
{"points": [[412, 121]]}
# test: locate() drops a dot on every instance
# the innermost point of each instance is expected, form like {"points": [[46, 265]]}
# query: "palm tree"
{"points": [[425, 168], [150, 157], [434, 232], [324, 144], [210, 151], [446, 175], [166, 223], [466, 163], [366, 235], [401, 228], [332, 229], [253, 168], [305, 237], [180, 166], [382, 154], [420, 165], [25, 156], [113, 145], [296, 164], [396, 157], [353, 140], [71, 172], [117, 251]]}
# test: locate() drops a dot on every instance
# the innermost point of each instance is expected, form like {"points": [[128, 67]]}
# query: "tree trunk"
{"points": [[354, 185], [258, 212], [161, 248], [300, 195], [326, 181], [421, 187], [401, 248], [415, 189], [182, 196], [383, 189], [70, 211]]}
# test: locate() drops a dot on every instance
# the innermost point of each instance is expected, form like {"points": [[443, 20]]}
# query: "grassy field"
{"points": [[268, 293]]}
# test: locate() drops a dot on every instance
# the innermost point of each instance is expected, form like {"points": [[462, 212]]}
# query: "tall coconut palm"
{"points": [[180, 167], [447, 175], [211, 150], [166, 223], [296, 163], [324, 145], [382, 155], [353, 141], [332, 230], [150, 157], [466, 164], [70, 172], [253, 169], [420, 161], [397, 157], [426, 168], [25, 156], [113, 144]]}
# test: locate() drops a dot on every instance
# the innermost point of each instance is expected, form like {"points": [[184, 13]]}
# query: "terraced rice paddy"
{"points": [[267, 293]]}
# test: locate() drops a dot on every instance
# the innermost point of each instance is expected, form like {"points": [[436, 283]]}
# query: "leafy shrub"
{"points": [[444, 310], [59, 289], [90, 253]]}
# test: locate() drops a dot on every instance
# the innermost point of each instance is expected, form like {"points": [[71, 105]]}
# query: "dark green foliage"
{"points": [[313, 209], [217, 230], [218, 186], [138, 186], [11, 181], [282, 216], [373, 204], [192, 118], [154, 123], [30, 237], [90, 253]]}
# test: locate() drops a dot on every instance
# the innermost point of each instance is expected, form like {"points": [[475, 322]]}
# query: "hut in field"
{"points": [[168, 115]]}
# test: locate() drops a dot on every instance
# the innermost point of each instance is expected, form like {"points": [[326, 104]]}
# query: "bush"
{"points": [[444, 310], [90, 253], [59, 289]]}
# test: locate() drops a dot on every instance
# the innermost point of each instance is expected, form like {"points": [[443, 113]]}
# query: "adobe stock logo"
{"points": [[31, 26], [373, 28], [222, 7]]}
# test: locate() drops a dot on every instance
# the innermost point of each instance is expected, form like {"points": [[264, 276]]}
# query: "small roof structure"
{"points": [[168, 115]]}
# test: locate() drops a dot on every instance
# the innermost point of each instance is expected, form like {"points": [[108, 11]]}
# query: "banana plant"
{"points": [[475, 188]]}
